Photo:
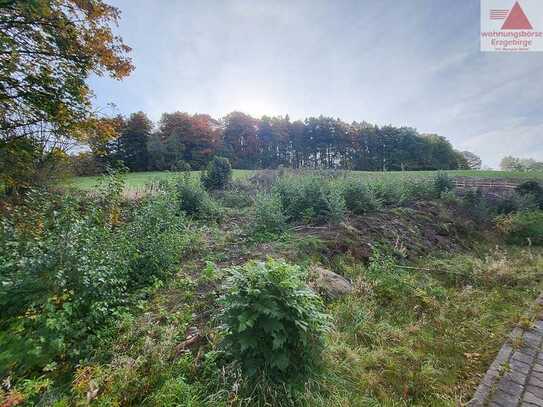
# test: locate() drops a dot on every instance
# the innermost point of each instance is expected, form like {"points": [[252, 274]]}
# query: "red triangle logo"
{"points": [[517, 20]]}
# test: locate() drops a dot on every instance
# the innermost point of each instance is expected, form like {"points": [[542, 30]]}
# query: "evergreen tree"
{"points": [[132, 144]]}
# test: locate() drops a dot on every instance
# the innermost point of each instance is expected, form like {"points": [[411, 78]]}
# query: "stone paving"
{"points": [[515, 378]]}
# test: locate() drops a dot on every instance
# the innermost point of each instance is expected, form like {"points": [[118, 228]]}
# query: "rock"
{"points": [[329, 284]]}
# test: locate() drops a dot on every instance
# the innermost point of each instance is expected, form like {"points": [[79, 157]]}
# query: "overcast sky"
{"points": [[407, 63]]}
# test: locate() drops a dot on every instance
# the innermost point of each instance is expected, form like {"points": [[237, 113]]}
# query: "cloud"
{"points": [[403, 63], [518, 140]]}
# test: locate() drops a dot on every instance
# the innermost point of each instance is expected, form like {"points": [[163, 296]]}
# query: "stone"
{"points": [[523, 357], [537, 375], [519, 366], [532, 398], [532, 339], [536, 391], [516, 376], [510, 387], [529, 351], [330, 284], [535, 381], [503, 355], [505, 399]]}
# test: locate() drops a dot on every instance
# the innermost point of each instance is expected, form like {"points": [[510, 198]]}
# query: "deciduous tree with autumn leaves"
{"points": [[48, 48]]}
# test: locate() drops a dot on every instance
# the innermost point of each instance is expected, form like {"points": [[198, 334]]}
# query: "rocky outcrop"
{"points": [[329, 284]]}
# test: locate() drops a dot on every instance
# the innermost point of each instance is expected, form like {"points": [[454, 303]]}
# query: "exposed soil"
{"points": [[412, 231]]}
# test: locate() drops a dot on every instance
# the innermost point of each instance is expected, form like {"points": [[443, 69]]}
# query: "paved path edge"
{"points": [[506, 364]]}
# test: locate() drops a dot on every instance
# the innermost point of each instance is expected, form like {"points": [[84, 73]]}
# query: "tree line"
{"points": [[181, 141], [510, 163], [51, 48]]}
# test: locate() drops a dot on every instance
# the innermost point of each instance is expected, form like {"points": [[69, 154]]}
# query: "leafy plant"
{"points": [[517, 202], [156, 232], [235, 198], [269, 218], [210, 272], [522, 228], [194, 200], [310, 199], [358, 199], [532, 188], [273, 325], [217, 174], [442, 183], [62, 279], [181, 166], [475, 205], [71, 265]]}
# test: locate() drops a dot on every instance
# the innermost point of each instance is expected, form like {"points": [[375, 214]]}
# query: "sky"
{"points": [[407, 63]]}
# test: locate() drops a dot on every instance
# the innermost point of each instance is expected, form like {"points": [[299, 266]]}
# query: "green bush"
{"points": [[217, 174], [71, 265], [273, 325], [310, 199], [386, 191], [235, 197], [533, 189], [402, 190], [449, 197], [195, 201], [181, 166], [269, 218], [475, 205], [523, 228], [358, 199], [156, 232], [60, 282], [442, 183], [516, 203]]}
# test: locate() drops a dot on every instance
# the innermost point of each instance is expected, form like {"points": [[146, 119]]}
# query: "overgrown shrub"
{"points": [[217, 174], [522, 228], [70, 266], [449, 197], [516, 203], [310, 199], [273, 325], [237, 195], [386, 191], [62, 278], [475, 205], [442, 183], [358, 199], [532, 188], [269, 218], [181, 166], [195, 201], [156, 232], [394, 191]]}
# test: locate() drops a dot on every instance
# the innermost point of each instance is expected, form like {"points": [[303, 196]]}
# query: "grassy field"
{"points": [[137, 180], [430, 276]]}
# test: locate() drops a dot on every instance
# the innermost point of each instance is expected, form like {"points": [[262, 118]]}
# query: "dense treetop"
{"points": [[180, 140], [48, 49]]}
